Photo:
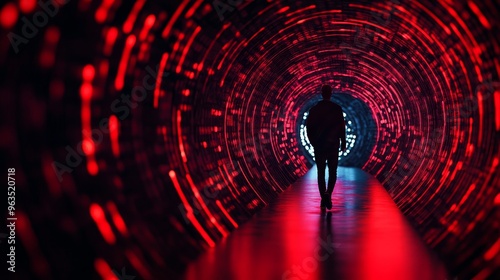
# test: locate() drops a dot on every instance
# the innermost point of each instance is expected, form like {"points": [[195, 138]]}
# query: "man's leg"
{"points": [[333, 161], [320, 158]]}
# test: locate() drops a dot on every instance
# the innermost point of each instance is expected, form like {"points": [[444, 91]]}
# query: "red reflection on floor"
{"points": [[364, 236]]}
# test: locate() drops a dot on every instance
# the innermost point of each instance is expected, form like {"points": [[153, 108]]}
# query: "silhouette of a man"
{"points": [[326, 132]]}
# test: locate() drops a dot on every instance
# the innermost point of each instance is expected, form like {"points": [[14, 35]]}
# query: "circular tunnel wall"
{"points": [[144, 132]]}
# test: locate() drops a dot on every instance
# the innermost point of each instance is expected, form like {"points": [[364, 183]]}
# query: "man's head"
{"points": [[326, 92]]}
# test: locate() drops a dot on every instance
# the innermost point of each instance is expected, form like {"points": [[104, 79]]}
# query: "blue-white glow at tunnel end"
{"points": [[350, 138]]}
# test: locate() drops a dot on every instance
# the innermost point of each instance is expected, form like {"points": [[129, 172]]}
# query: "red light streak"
{"points": [[159, 77], [493, 251], [102, 267], [110, 40], [27, 235], [479, 15], [466, 195], [204, 206], [189, 210], [231, 220], [129, 23], [179, 138], [284, 9], [117, 218], [138, 264], [173, 19], [186, 49], [88, 145], [122, 68], [496, 97], [193, 8], [47, 54], [481, 114], [114, 132], [99, 218], [148, 23], [101, 13]]}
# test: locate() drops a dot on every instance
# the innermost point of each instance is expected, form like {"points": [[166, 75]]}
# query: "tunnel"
{"points": [[143, 133]]}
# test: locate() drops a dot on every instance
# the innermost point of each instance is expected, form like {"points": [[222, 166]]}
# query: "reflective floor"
{"points": [[364, 236]]}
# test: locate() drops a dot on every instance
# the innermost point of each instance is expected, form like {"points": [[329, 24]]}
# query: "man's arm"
{"points": [[342, 132], [310, 128], [314, 126]]}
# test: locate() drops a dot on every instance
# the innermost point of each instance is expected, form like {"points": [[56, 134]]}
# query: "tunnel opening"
{"points": [[360, 130]]}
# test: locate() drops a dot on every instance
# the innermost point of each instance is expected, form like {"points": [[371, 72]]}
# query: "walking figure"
{"points": [[326, 132]]}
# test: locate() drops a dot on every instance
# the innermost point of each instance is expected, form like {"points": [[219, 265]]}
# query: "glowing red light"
{"points": [[493, 251], [92, 166], [166, 31], [189, 209], [102, 267], [159, 77], [497, 109], [102, 12], [129, 23], [114, 130], [186, 49], [8, 15], [86, 91], [117, 218], [233, 222], [497, 199], [110, 39], [88, 72], [88, 146], [120, 76], [99, 218], [478, 13], [148, 23], [27, 6], [193, 8]]}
